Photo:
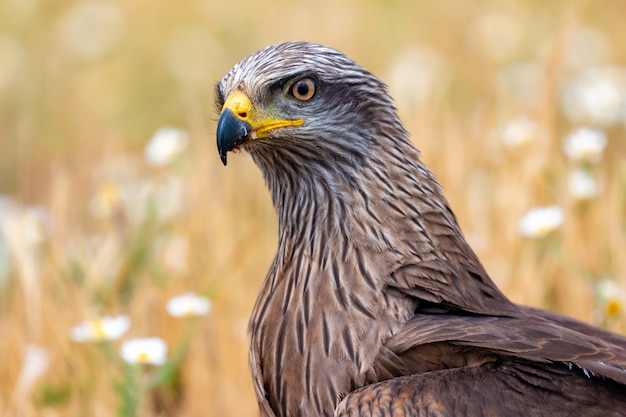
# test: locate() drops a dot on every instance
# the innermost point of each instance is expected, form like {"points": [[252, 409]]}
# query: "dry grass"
{"points": [[71, 121]]}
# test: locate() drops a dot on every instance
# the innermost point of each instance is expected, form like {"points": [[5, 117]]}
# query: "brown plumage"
{"points": [[375, 305]]}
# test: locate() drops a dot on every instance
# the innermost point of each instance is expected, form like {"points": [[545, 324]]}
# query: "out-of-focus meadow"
{"points": [[113, 200]]}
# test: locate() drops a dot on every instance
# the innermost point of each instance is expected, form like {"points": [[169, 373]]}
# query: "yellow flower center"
{"points": [[97, 329], [190, 309], [143, 357], [542, 230], [588, 153], [613, 308], [109, 195]]}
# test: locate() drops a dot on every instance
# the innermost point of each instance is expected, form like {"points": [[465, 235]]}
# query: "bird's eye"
{"points": [[304, 89]]}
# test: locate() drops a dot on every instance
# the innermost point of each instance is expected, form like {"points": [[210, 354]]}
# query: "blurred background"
{"points": [[113, 201]]}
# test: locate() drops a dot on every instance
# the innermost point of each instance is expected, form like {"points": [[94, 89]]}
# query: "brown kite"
{"points": [[375, 305]]}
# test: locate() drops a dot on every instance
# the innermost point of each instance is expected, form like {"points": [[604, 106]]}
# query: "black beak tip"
{"points": [[231, 132]]}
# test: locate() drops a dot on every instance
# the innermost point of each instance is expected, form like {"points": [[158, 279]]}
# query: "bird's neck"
{"points": [[320, 316], [325, 307], [385, 203]]}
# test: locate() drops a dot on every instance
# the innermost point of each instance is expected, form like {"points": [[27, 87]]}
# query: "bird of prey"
{"points": [[375, 304]]}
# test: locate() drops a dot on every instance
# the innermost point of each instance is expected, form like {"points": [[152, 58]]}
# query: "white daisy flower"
{"points": [[611, 297], [107, 199], [582, 185], [151, 350], [105, 328], [188, 304], [166, 145], [585, 144], [598, 96], [540, 221], [520, 132], [35, 362]]}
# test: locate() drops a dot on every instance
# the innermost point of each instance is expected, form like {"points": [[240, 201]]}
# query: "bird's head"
{"points": [[302, 102]]}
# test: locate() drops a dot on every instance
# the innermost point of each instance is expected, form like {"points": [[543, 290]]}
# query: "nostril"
{"points": [[242, 114]]}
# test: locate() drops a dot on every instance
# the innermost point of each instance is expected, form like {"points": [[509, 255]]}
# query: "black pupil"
{"points": [[303, 88]]}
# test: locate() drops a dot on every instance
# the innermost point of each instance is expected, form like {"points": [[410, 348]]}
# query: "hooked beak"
{"points": [[231, 132], [240, 122]]}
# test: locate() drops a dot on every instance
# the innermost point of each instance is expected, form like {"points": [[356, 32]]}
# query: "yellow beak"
{"points": [[241, 122]]}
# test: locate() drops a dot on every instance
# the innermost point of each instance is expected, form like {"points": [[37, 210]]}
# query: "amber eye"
{"points": [[304, 89]]}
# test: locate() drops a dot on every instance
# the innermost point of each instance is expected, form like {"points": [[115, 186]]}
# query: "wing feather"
{"points": [[533, 335], [509, 388]]}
